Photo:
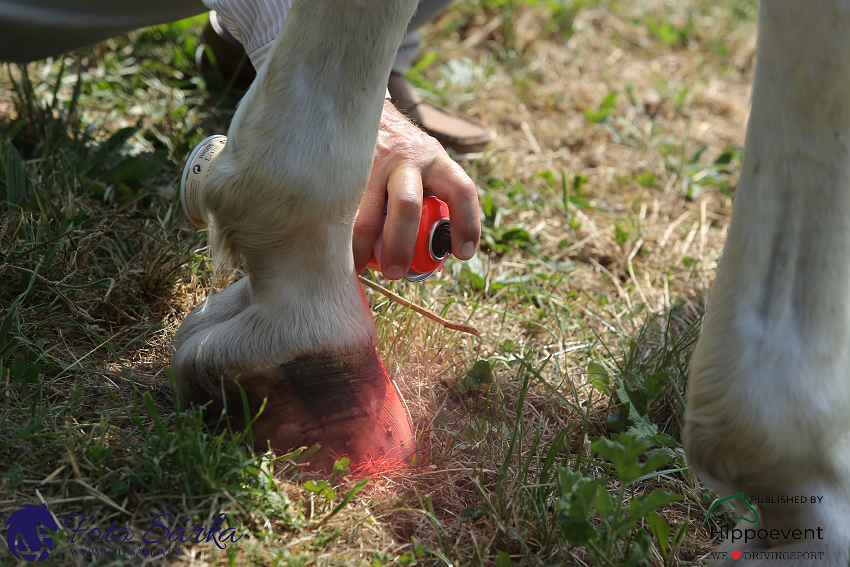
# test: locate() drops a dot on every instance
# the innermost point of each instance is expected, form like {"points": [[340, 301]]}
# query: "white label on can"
{"points": [[197, 168]]}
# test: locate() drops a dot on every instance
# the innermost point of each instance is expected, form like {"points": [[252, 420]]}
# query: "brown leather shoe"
{"points": [[465, 137], [229, 56]]}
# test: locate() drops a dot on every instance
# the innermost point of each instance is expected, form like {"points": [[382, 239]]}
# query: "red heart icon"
{"points": [[735, 554]]}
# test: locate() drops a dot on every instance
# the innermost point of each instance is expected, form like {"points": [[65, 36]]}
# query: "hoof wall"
{"points": [[344, 402]]}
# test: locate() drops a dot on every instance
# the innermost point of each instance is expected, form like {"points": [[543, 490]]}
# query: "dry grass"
{"points": [[628, 246]]}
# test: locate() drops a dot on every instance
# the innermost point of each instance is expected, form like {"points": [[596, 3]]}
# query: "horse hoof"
{"points": [[344, 402]]}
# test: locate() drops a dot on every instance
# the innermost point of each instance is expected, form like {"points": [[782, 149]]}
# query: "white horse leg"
{"points": [[769, 391], [284, 196]]}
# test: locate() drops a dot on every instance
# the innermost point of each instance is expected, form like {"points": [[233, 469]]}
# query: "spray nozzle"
{"points": [[441, 242]]}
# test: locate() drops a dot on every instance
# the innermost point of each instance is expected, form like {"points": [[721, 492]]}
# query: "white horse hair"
{"points": [[284, 196], [769, 391]]}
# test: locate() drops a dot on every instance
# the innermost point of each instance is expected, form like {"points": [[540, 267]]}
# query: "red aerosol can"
{"points": [[433, 241]]}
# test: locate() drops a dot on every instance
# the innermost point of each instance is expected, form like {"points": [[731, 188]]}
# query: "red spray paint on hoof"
{"points": [[344, 402]]}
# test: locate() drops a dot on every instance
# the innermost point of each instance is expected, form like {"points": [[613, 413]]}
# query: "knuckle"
{"points": [[433, 146], [467, 186], [408, 205], [366, 229]]}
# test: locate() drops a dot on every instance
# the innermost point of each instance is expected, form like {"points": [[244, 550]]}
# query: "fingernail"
{"points": [[467, 250], [393, 272]]}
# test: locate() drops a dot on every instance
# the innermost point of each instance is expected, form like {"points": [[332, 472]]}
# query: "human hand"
{"points": [[406, 160]]}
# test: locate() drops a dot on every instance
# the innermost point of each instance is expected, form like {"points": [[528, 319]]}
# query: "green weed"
{"points": [[616, 541], [97, 268], [603, 110]]}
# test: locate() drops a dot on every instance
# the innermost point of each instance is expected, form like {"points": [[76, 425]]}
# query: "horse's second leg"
{"points": [[769, 390]]}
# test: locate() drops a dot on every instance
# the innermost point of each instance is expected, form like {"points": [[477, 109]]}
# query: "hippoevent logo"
{"points": [[746, 535], [30, 529]]}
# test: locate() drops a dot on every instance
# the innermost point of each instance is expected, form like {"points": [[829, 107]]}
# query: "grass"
{"points": [[553, 439]]}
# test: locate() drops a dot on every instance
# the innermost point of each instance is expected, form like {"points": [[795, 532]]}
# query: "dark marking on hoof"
{"points": [[344, 402], [325, 382]]}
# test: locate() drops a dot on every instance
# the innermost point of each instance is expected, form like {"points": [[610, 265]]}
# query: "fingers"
{"points": [[406, 159], [404, 207], [447, 181], [367, 226]]}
